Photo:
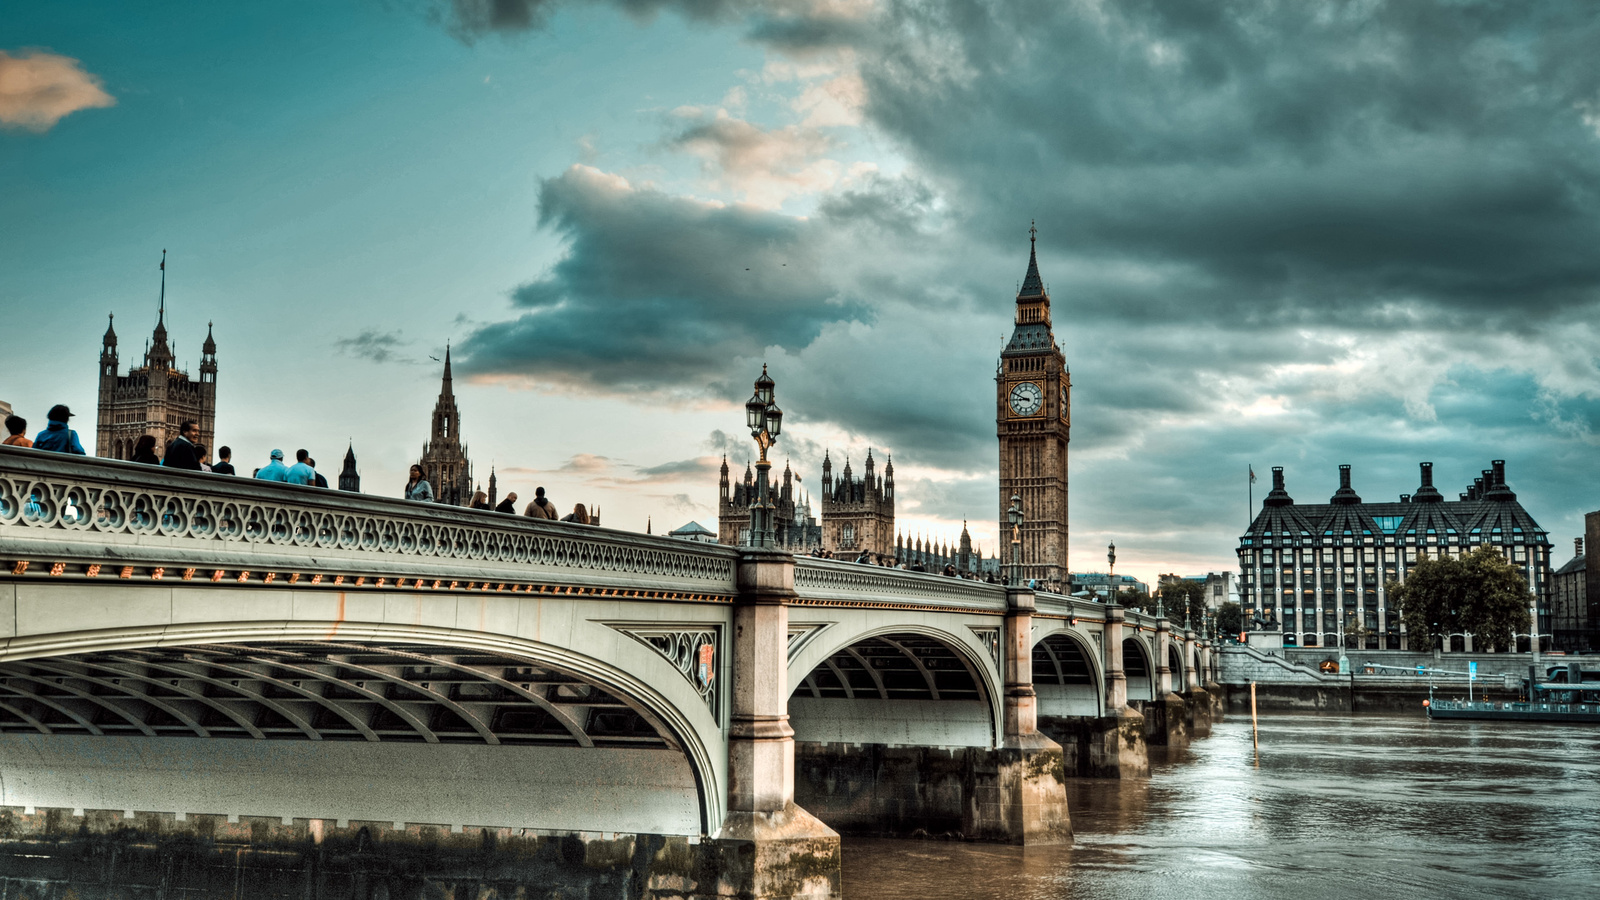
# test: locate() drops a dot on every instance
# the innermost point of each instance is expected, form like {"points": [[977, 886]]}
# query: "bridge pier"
{"points": [[1116, 743], [1196, 697], [772, 847], [1030, 799], [1166, 718]]}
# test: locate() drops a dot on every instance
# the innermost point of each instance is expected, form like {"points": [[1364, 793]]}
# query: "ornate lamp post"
{"points": [[765, 420], [1014, 516], [1111, 574]]}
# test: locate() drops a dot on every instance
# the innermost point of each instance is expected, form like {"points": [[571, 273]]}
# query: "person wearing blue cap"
{"points": [[274, 470]]}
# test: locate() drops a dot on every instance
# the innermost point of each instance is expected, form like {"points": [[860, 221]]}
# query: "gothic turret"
{"points": [[208, 358], [108, 349]]}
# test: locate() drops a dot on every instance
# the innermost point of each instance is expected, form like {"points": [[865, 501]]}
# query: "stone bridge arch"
{"points": [[1139, 666], [425, 724], [1068, 675], [911, 684]]}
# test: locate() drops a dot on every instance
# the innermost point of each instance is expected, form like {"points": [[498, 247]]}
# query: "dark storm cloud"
{"points": [[1279, 162], [471, 18], [657, 291], [378, 346]]}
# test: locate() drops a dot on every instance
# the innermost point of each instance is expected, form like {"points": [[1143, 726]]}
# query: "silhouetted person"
{"points": [[316, 477], [225, 465], [17, 432], [508, 505], [540, 508], [144, 450], [57, 436], [480, 500], [578, 515]]}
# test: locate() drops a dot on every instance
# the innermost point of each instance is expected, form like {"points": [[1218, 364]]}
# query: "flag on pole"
{"points": [[1252, 474]]}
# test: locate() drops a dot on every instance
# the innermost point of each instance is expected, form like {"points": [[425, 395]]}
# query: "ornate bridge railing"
{"points": [[835, 582], [97, 518]]}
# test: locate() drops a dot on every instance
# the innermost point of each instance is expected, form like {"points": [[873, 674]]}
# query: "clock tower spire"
{"points": [[1033, 419]]}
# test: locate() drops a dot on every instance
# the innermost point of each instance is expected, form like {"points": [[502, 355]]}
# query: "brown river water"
{"points": [[1353, 807]]}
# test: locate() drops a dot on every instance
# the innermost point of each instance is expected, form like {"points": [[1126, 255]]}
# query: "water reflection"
{"points": [[1347, 807]]}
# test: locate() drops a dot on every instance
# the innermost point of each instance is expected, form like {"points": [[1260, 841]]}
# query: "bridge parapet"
{"points": [[837, 582], [78, 516]]}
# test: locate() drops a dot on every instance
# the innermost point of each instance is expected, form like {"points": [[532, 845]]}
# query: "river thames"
{"points": [[1334, 806]]}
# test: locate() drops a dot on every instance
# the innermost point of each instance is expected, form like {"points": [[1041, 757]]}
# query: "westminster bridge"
{"points": [[271, 669]]}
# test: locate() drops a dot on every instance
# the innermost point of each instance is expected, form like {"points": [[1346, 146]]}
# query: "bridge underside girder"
{"points": [[323, 691]]}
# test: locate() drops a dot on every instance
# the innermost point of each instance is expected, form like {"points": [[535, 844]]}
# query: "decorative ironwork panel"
{"points": [[990, 639], [694, 650]]}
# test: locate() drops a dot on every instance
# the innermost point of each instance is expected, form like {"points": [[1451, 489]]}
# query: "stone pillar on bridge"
{"points": [[1208, 674], [1195, 694], [1117, 748], [1165, 717], [1031, 803], [775, 848]]}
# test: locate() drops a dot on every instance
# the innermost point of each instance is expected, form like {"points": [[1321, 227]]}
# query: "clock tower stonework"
{"points": [[1033, 416]]}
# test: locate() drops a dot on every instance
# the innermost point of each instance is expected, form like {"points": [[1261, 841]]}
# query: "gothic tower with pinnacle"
{"points": [[1033, 417], [444, 457], [156, 397]]}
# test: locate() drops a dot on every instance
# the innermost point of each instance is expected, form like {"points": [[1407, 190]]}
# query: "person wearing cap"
{"points": [[274, 470], [58, 436]]}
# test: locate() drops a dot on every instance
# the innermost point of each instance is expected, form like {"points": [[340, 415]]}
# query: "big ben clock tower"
{"points": [[1033, 416]]}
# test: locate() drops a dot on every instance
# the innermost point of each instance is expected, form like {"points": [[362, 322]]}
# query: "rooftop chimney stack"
{"points": [[1577, 545]]}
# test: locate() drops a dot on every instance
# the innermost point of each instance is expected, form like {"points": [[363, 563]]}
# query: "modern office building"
{"points": [[1318, 571]]}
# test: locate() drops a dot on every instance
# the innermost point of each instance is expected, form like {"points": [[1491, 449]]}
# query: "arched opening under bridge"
{"points": [[1137, 669], [899, 688], [1064, 678], [393, 731]]}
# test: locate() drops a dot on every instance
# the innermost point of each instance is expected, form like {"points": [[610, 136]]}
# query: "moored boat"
{"points": [[1564, 694]]}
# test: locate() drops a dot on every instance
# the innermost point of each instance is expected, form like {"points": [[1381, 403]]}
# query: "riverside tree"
{"points": [[1230, 619], [1480, 593]]}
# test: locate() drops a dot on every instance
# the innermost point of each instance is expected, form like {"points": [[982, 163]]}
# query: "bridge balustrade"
{"points": [[96, 518]]}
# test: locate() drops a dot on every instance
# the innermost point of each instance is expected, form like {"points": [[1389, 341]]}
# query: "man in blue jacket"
{"points": [[58, 436]]}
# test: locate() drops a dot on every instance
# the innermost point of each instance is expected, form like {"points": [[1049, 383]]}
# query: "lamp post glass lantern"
{"points": [[1014, 516], [766, 422]]}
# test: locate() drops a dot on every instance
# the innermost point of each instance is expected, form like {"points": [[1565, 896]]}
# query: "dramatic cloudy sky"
{"points": [[1276, 233]]}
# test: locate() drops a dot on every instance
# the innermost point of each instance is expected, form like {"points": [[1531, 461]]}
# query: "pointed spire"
{"points": [[111, 332], [210, 346], [1032, 284], [446, 386], [647, 521]]}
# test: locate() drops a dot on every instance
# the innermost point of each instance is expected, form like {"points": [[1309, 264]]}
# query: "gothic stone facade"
{"points": [[444, 457], [796, 528], [1304, 568], [858, 514], [153, 398], [1033, 418]]}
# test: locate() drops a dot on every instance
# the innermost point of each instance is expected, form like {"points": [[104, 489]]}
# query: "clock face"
{"points": [[1026, 398]]}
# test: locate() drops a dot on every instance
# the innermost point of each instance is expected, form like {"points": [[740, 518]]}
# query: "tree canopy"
{"points": [[1481, 593], [1230, 619], [1182, 597]]}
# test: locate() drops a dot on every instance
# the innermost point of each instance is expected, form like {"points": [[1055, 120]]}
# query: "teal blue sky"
{"points": [[1274, 236]]}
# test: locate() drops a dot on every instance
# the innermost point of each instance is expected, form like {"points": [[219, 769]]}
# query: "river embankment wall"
{"points": [[1292, 679]]}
